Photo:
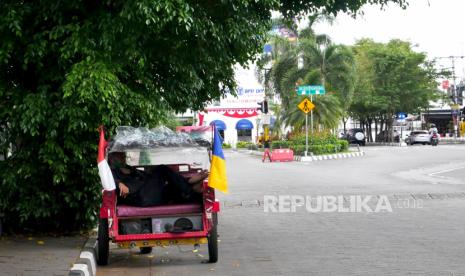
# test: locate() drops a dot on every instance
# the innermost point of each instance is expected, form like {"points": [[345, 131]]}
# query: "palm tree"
{"points": [[327, 113], [325, 63], [335, 63], [330, 65], [278, 125]]}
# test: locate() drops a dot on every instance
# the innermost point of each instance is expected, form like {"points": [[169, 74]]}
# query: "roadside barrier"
{"points": [[266, 154], [282, 155]]}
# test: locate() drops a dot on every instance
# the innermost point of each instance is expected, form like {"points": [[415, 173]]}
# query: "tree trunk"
{"points": [[366, 131], [371, 131], [376, 129], [381, 126], [390, 122]]}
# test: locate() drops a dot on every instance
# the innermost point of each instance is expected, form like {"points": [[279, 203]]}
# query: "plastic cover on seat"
{"points": [[161, 145], [129, 138]]}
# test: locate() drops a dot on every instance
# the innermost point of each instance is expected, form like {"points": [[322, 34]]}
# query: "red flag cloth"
{"points": [[104, 171], [201, 116]]}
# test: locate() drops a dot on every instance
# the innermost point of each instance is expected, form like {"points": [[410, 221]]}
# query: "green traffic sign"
{"points": [[310, 90]]}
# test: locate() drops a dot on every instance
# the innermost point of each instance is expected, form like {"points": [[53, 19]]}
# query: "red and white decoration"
{"points": [[235, 112], [201, 117], [445, 84], [104, 171]]}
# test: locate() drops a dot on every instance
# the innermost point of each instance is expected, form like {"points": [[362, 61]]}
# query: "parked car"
{"points": [[356, 136], [419, 137]]}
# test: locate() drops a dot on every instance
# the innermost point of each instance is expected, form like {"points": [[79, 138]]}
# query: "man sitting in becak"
{"points": [[159, 186]]}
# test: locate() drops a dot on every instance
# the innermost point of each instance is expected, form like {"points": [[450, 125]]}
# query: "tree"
{"points": [[296, 7], [324, 63], [68, 66], [391, 78], [278, 125], [335, 65], [327, 113]]}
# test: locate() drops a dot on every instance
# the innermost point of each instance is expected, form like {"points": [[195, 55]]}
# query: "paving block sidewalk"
{"points": [[31, 255]]}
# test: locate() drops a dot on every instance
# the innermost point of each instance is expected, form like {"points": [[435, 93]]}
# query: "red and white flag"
{"points": [[104, 171]]}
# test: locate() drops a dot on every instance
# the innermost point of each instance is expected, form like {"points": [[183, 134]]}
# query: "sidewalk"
{"points": [[31, 255]]}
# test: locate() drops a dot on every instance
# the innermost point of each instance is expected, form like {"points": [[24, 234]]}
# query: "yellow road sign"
{"points": [[306, 105]]}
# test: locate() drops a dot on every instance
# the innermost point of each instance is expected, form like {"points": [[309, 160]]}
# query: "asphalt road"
{"points": [[423, 235]]}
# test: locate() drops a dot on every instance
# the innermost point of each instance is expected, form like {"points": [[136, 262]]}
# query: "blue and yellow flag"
{"points": [[218, 179]]}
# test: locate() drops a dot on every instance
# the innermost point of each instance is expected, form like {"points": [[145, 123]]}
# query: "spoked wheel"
{"points": [[103, 242], [213, 241], [145, 250]]}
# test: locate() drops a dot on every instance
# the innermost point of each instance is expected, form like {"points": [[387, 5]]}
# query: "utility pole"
{"points": [[454, 91]]}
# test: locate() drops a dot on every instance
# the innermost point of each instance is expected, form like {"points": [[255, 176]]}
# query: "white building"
{"points": [[237, 117]]}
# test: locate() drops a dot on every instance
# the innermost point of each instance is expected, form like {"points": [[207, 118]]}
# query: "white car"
{"points": [[419, 137]]}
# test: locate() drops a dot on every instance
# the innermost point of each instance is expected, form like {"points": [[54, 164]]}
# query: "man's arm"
{"points": [[127, 183], [122, 190]]}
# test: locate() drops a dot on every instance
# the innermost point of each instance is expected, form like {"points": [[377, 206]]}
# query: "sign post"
{"points": [[311, 90], [306, 106]]}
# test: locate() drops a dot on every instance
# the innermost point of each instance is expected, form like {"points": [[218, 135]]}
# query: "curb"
{"points": [[328, 156], [86, 264]]}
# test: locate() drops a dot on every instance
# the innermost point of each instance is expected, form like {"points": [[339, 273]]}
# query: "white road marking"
{"points": [[444, 171]]}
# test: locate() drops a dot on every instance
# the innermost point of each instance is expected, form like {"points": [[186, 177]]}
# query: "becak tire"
{"points": [[103, 242], [213, 241]]}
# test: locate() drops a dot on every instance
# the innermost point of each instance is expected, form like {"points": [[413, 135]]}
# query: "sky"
{"points": [[436, 27]]}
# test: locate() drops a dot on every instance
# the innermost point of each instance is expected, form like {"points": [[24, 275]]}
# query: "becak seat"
{"points": [[163, 210]]}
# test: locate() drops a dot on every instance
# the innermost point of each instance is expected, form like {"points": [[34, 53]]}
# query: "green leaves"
{"points": [[291, 8], [90, 81], [327, 112], [330, 66], [391, 78]]}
